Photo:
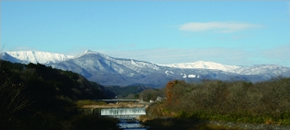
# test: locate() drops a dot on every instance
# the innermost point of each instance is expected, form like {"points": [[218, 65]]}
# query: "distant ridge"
{"points": [[204, 65], [38, 56], [108, 70]]}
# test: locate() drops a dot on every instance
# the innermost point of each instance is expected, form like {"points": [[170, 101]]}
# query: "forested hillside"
{"points": [[127, 91], [34, 96], [264, 102]]}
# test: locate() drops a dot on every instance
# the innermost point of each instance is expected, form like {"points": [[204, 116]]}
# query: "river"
{"points": [[127, 117], [130, 124]]}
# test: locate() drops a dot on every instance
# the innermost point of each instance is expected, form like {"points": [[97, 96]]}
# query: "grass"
{"points": [[185, 124], [81, 103], [282, 118]]}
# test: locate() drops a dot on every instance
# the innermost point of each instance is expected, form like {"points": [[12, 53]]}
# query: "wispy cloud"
{"points": [[224, 27], [230, 56], [278, 54]]}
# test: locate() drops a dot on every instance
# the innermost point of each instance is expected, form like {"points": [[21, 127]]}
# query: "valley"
{"points": [[144, 65], [68, 91]]}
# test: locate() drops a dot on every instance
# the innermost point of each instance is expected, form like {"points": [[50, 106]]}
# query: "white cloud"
{"points": [[216, 26]]}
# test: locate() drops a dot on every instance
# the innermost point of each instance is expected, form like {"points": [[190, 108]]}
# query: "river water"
{"points": [[130, 124], [127, 117]]}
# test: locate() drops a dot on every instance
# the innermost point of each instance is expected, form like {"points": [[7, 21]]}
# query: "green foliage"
{"points": [[123, 92], [106, 93], [151, 94], [35, 96]]}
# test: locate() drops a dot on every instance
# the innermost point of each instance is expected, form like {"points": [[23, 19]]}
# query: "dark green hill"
{"points": [[34, 96], [131, 91]]}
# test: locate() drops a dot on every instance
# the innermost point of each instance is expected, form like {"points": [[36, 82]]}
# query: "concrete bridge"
{"points": [[119, 108], [118, 111], [122, 108], [123, 112]]}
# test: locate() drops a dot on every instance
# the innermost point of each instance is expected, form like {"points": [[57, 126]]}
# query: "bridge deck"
{"points": [[118, 100]]}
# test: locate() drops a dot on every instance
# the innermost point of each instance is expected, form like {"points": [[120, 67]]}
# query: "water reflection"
{"points": [[130, 124]]}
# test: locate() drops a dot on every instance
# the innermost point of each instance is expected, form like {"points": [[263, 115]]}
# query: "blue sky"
{"points": [[227, 32]]}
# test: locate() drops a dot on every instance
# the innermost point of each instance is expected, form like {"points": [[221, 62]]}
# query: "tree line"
{"points": [[237, 101]]}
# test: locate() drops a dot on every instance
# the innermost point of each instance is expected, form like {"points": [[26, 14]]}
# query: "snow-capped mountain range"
{"points": [[38, 56], [108, 70], [204, 65]]}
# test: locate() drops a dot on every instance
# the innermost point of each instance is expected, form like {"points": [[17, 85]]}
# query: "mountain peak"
{"points": [[89, 52]]}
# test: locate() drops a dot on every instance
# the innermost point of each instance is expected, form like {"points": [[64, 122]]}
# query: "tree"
{"points": [[12, 97], [151, 94]]}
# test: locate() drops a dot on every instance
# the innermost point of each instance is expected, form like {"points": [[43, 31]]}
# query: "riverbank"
{"points": [[169, 123]]}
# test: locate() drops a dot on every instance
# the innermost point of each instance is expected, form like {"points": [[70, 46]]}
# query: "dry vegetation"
{"points": [[265, 102], [114, 105]]}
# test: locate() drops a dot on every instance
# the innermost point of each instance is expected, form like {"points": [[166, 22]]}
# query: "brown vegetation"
{"points": [[239, 101]]}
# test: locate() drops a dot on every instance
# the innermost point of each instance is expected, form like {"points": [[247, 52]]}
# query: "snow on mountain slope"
{"points": [[38, 57], [7, 57], [263, 69], [274, 70], [108, 70], [204, 65], [97, 61], [129, 63]]}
